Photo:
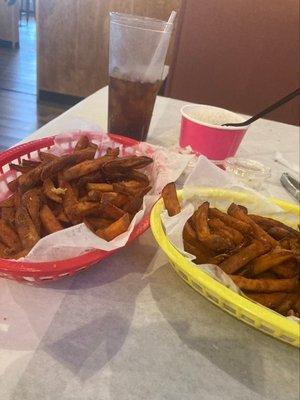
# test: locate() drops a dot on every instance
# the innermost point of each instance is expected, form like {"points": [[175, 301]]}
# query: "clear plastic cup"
{"points": [[137, 52]]}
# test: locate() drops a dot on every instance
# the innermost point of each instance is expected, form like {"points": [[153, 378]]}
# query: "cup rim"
{"points": [[228, 128], [130, 20]]}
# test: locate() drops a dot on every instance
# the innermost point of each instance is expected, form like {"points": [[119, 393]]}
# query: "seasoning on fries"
{"points": [[260, 254], [56, 192]]}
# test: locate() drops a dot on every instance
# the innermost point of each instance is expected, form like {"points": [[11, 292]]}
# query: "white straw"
{"points": [[168, 27]]}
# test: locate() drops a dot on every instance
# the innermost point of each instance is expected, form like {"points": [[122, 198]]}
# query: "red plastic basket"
{"points": [[40, 272]]}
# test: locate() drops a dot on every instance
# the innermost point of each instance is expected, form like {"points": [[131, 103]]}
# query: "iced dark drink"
{"points": [[137, 52], [130, 107]]}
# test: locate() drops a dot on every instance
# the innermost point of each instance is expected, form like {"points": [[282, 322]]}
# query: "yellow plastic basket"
{"points": [[247, 311]]}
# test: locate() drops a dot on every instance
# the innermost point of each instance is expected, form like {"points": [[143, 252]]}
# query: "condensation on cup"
{"points": [[137, 52]]}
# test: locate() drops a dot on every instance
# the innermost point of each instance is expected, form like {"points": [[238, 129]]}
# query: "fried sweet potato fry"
{"points": [[4, 251], [108, 196], [100, 187], [137, 176], [32, 201], [189, 235], [93, 195], [232, 233], [45, 156], [229, 220], [93, 146], [287, 303], [170, 199], [17, 199], [20, 167], [9, 202], [52, 192], [118, 199], [267, 261], [243, 208], [296, 305], [14, 184], [236, 212], [133, 206], [143, 191], [131, 188], [270, 300], [49, 221], [69, 200], [83, 209], [30, 163], [222, 232], [9, 253], [200, 252], [132, 162], [26, 228], [267, 223], [278, 233], [212, 241], [243, 257], [82, 143], [8, 214], [62, 217], [85, 168], [265, 275], [95, 177], [97, 222], [64, 162], [113, 152], [285, 244], [30, 179], [111, 211], [19, 254], [8, 236], [218, 243], [286, 270], [265, 285], [115, 229]]}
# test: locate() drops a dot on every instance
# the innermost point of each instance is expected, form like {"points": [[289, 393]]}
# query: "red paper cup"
{"points": [[201, 129]]}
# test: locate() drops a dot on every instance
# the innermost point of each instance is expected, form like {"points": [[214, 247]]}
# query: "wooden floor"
{"points": [[20, 113]]}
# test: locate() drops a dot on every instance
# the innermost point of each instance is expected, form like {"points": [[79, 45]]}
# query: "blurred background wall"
{"points": [[238, 54]]}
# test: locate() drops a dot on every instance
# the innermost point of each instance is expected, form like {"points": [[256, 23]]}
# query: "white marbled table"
{"points": [[130, 329]]}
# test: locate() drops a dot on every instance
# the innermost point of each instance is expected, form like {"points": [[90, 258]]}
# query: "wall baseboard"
{"points": [[45, 95]]}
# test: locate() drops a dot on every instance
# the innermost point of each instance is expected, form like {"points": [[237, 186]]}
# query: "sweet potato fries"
{"points": [[260, 254], [54, 193]]}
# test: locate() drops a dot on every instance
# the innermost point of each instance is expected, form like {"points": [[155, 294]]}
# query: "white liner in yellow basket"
{"points": [[207, 176]]}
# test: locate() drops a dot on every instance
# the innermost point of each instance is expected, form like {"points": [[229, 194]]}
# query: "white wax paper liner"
{"points": [[207, 175], [71, 242]]}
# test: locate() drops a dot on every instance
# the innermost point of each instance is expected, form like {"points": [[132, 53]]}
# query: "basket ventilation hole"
{"points": [[212, 298], [44, 278], [287, 338], [183, 276], [247, 319], [197, 287], [28, 278], [229, 309], [266, 329]]}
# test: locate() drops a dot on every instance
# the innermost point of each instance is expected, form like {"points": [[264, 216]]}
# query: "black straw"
{"points": [[267, 110]]}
